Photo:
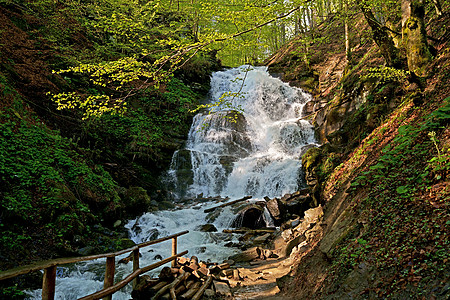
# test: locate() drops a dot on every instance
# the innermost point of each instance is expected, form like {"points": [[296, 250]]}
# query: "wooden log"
{"points": [[154, 289], [178, 291], [201, 272], [202, 289], [135, 255], [215, 270], [169, 286], [236, 275], [226, 273], [166, 274], [162, 291], [187, 269], [226, 204], [193, 259], [182, 261], [251, 231], [176, 283], [191, 291], [189, 283], [224, 266], [143, 289], [193, 263], [174, 250], [145, 282]]}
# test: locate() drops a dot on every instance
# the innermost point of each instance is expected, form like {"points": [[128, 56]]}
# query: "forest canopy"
{"points": [[140, 44]]}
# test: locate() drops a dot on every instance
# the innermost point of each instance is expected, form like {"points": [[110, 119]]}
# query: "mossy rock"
{"points": [[136, 200], [311, 157]]}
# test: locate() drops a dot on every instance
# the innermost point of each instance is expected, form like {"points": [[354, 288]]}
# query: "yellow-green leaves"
{"points": [[91, 105]]}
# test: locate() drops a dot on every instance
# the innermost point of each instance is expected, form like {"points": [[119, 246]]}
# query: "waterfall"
{"points": [[258, 154]]}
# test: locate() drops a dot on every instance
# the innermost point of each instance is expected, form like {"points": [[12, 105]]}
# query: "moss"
{"points": [[311, 157]]}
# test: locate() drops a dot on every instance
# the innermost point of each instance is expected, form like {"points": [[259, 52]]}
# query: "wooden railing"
{"points": [[109, 288]]}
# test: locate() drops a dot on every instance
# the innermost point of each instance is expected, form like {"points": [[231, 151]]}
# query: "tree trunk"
{"points": [[347, 38], [438, 7], [414, 36], [380, 36]]}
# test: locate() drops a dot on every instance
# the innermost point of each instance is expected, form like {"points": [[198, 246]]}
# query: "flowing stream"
{"points": [[228, 154]]}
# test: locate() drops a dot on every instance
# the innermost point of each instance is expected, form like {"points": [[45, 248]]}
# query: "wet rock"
{"points": [[136, 200], [276, 209], [261, 239], [314, 214], [246, 236], [88, 250], [151, 235], [287, 234], [286, 251], [252, 216], [247, 255], [295, 222], [209, 293], [207, 228], [165, 205], [126, 243]]}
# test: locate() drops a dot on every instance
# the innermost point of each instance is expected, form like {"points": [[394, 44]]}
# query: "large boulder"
{"points": [[136, 200], [276, 209], [251, 216]]}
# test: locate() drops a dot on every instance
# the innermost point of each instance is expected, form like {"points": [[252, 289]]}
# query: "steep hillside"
{"points": [[382, 173], [65, 184]]}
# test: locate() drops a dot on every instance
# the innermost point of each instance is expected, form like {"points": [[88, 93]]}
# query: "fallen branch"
{"points": [[267, 230], [227, 204]]}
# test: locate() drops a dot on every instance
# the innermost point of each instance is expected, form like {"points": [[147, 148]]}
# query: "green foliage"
{"points": [[407, 234], [440, 164], [12, 292], [387, 74], [144, 129], [40, 174]]}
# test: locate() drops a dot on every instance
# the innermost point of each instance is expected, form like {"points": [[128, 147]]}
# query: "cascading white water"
{"points": [[257, 155]]}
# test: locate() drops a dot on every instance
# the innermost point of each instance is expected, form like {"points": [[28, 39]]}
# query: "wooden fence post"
{"points": [[109, 274], [174, 250], [48, 283], [135, 265]]}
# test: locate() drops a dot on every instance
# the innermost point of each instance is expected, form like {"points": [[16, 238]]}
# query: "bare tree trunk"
{"points": [[414, 36], [380, 36], [438, 7], [347, 38]]}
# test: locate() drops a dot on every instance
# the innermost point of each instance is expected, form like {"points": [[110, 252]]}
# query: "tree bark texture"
{"points": [[380, 36], [414, 36]]}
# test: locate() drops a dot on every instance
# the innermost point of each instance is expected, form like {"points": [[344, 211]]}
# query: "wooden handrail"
{"points": [[49, 267], [69, 260], [126, 280]]}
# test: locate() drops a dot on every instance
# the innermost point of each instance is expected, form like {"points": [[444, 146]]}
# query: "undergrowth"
{"points": [[408, 243]]}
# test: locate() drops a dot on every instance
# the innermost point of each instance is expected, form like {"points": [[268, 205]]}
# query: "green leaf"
{"points": [[402, 189]]}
